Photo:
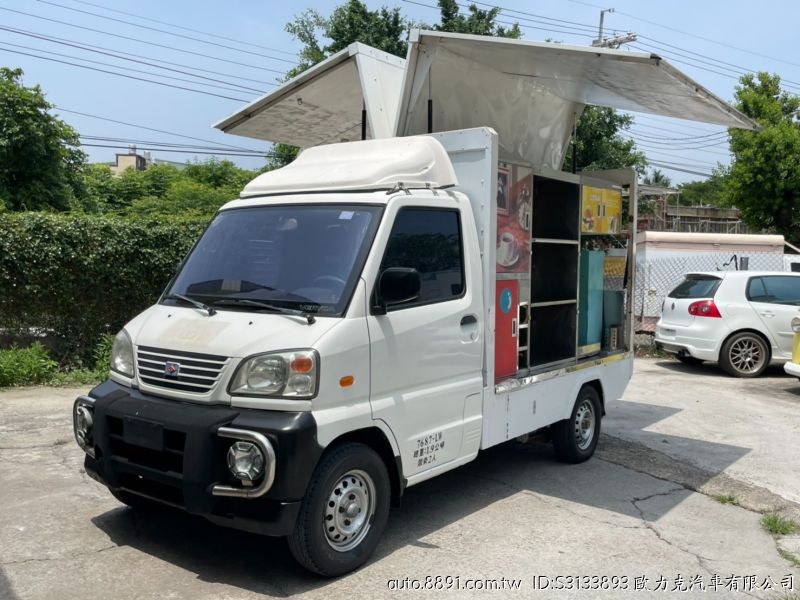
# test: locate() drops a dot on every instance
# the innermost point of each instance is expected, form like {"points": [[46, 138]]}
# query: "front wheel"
{"points": [[344, 512], [575, 439]]}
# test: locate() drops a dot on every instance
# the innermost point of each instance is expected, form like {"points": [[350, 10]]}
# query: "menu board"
{"points": [[514, 197], [601, 210]]}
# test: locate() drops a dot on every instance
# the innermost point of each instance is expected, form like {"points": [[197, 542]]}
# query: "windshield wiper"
{"points": [[280, 309], [210, 309]]}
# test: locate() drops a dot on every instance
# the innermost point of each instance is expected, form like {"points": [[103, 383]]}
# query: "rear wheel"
{"points": [[575, 439], [744, 354], [344, 512]]}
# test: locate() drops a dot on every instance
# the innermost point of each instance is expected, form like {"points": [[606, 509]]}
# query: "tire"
{"points": [[688, 359], [575, 439], [324, 511], [744, 354]]}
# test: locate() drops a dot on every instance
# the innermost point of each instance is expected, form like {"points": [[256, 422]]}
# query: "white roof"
{"points": [[414, 162], [531, 92], [324, 104]]}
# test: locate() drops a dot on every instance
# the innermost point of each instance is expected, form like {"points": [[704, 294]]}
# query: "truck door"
{"points": [[776, 299], [426, 354]]}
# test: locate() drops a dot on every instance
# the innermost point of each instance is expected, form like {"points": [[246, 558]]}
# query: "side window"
{"points": [[429, 240], [756, 292], [783, 290]]}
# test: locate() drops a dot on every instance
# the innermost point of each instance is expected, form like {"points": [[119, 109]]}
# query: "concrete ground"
{"points": [[642, 508]]}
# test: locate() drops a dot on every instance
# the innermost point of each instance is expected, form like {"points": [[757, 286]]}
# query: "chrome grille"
{"points": [[197, 373]]}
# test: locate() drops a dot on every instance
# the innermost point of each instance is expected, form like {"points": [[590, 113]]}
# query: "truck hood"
{"points": [[235, 334]]}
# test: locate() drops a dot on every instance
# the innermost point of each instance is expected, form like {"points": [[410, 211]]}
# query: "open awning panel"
{"points": [[324, 104], [532, 92]]}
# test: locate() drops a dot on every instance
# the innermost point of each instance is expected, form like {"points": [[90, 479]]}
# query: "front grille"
{"points": [[157, 474], [198, 373]]}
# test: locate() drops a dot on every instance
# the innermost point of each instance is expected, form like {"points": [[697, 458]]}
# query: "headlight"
{"points": [[796, 324], [83, 424], [291, 374], [122, 354]]}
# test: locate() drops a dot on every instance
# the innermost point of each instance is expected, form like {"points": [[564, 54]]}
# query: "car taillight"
{"points": [[704, 308]]}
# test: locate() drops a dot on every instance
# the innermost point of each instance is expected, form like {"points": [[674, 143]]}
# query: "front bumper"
{"points": [[190, 462], [792, 368]]}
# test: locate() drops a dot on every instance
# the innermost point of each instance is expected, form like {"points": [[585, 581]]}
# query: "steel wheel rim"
{"points": [[584, 424], [747, 355], [349, 510]]}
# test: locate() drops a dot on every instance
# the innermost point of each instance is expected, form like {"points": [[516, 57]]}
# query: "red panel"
{"points": [[505, 337]]}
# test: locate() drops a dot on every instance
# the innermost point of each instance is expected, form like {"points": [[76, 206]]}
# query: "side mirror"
{"points": [[397, 285]]}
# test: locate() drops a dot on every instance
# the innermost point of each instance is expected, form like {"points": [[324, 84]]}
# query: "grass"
{"points": [[726, 499], [786, 555], [778, 525]]}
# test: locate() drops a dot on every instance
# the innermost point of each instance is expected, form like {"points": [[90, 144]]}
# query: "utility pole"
{"points": [[614, 42]]}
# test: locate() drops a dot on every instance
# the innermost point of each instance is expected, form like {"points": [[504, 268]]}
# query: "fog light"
{"points": [[796, 325], [83, 425], [245, 461]]}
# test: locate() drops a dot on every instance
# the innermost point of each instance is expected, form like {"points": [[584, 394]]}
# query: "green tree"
{"points": [[41, 162], [711, 191], [477, 22], [764, 181], [599, 143], [657, 178]]}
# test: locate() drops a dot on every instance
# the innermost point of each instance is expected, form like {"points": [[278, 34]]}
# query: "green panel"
{"points": [[590, 320]]}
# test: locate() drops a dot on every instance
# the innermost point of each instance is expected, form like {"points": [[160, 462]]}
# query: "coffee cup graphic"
{"points": [[507, 250]]}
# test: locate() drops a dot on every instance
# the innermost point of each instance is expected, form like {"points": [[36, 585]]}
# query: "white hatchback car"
{"points": [[740, 319]]}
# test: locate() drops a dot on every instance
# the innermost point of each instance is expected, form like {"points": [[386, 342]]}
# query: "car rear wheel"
{"points": [[744, 354], [575, 439]]}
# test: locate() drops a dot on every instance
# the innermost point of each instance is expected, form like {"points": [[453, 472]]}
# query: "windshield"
{"points": [[305, 258]]}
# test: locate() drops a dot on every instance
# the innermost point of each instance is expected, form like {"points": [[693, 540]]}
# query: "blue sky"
{"points": [[711, 41]]}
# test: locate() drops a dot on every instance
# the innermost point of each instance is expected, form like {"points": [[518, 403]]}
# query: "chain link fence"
{"points": [[659, 272]]}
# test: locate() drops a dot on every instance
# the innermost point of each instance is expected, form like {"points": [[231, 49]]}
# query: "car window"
{"points": [[696, 286], [774, 289], [428, 240]]}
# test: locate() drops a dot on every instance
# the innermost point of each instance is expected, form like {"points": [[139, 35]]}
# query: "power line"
{"points": [[560, 31], [114, 52], [585, 26], [131, 69], [178, 87], [117, 56], [187, 37], [149, 43], [264, 155], [678, 50], [145, 127], [672, 167], [214, 35], [96, 138]]}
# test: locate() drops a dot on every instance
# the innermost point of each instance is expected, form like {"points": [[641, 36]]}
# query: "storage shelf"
{"points": [[553, 303], [554, 241]]}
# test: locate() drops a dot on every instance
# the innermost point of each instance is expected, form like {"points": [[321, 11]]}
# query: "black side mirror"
{"points": [[397, 285]]}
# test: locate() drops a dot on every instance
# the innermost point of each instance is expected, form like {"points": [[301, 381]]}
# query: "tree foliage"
{"points": [[41, 161], [711, 191], [599, 143], [764, 181], [657, 177], [477, 22]]}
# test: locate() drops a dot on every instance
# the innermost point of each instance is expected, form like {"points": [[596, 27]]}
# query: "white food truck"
{"points": [[420, 284]]}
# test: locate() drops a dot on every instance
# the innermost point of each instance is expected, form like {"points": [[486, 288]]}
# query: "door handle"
{"points": [[768, 314], [468, 320]]}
